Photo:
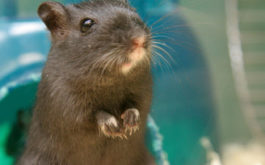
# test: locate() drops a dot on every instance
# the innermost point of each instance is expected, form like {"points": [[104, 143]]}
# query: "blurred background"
{"points": [[209, 89]]}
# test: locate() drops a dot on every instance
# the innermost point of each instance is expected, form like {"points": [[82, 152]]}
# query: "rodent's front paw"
{"points": [[109, 126], [131, 120]]}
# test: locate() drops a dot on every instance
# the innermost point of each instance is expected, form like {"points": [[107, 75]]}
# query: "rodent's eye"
{"points": [[86, 24]]}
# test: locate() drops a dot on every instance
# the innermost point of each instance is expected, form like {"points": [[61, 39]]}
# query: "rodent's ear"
{"points": [[55, 17]]}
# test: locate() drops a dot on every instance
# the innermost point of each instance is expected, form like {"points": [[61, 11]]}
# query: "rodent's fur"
{"points": [[83, 87]]}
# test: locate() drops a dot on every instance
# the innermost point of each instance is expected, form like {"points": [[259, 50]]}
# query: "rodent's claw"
{"points": [[108, 125], [131, 120], [131, 130], [123, 136]]}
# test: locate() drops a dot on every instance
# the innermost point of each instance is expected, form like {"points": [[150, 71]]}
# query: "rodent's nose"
{"points": [[139, 41]]}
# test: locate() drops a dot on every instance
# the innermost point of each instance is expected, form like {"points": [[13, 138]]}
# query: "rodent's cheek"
{"points": [[134, 58]]}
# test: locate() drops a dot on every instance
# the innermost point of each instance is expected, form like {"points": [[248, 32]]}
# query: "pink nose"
{"points": [[138, 42]]}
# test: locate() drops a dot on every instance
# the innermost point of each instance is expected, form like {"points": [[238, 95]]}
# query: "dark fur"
{"points": [[77, 83]]}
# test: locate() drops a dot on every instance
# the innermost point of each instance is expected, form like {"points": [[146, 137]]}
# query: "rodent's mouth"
{"points": [[134, 58]]}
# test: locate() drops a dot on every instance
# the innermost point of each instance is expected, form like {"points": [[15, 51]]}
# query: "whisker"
{"points": [[106, 65], [178, 42], [99, 62], [164, 51], [113, 62], [162, 57], [109, 61], [174, 31], [156, 60], [168, 65], [162, 36], [163, 17], [180, 25], [163, 44]]}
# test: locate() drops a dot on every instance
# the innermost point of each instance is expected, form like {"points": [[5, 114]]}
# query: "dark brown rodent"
{"points": [[95, 93]]}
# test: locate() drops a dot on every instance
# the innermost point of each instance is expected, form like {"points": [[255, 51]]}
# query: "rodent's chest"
{"points": [[116, 96], [110, 97]]}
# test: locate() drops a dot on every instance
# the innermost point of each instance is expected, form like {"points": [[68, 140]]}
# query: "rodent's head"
{"points": [[99, 36]]}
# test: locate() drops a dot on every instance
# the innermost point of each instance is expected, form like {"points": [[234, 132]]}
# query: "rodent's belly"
{"points": [[105, 152]]}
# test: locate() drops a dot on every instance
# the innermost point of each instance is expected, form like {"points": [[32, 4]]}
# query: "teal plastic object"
{"points": [[182, 108]]}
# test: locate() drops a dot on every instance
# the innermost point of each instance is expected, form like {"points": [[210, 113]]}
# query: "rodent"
{"points": [[96, 87]]}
